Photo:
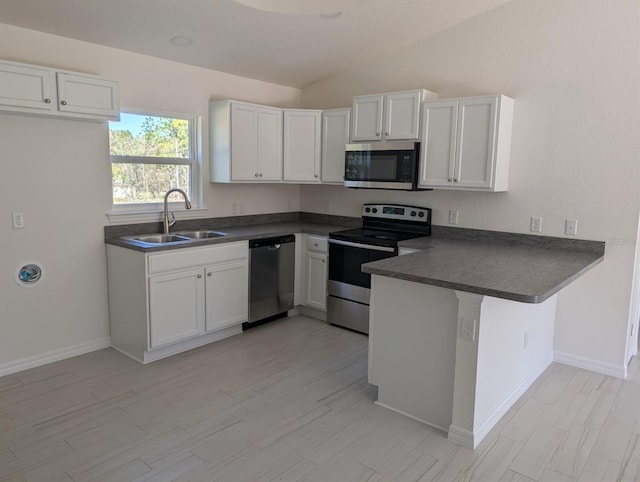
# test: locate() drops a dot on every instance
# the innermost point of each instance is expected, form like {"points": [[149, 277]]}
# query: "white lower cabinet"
{"points": [[316, 293], [226, 288], [176, 306], [314, 268], [167, 302]]}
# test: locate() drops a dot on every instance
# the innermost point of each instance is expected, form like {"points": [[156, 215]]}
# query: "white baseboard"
{"points": [[472, 439], [411, 416], [484, 427], [53, 356], [461, 436], [609, 369]]}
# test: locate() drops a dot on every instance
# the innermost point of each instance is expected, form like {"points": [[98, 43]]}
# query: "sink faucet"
{"points": [[165, 218]]}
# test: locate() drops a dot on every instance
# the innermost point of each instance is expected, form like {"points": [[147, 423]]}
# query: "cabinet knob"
{"points": [[260, 175], [315, 175], [63, 102], [199, 276], [386, 134], [450, 179], [47, 101], [209, 273], [256, 174], [455, 179]]}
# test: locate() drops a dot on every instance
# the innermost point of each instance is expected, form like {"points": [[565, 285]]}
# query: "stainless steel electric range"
{"points": [[383, 226]]}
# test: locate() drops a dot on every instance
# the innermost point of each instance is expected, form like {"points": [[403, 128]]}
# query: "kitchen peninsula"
{"points": [[460, 329]]}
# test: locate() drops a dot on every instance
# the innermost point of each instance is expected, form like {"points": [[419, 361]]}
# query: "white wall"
{"points": [[573, 68], [57, 172]]}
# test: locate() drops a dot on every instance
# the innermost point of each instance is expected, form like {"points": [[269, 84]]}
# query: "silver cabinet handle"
{"points": [[199, 276], [63, 102], [209, 274], [47, 101]]}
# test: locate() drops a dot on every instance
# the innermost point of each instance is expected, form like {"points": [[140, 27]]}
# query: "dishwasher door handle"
{"points": [[273, 247]]}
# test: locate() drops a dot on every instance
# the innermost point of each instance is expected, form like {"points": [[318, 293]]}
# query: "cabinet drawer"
{"points": [[317, 243], [193, 257]]}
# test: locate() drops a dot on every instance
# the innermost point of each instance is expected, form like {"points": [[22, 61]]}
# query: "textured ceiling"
{"points": [[288, 49]]}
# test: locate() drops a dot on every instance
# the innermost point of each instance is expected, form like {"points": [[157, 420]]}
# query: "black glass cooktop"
{"points": [[378, 237]]}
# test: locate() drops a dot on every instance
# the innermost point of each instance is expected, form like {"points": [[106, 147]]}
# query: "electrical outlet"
{"points": [[17, 220], [571, 227], [525, 342], [536, 224], [453, 217], [242, 211], [468, 329], [235, 208], [327, 206]]}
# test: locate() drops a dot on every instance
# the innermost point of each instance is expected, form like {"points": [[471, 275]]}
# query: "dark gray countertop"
{"points": [[235, 233], [512, 266], [500, 268]]}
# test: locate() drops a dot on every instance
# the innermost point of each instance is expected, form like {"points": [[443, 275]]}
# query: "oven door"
{"points": [[346, 279], [349, 289]]}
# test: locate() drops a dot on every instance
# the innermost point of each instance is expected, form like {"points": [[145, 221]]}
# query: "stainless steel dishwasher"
{"points": [[271, 278]]}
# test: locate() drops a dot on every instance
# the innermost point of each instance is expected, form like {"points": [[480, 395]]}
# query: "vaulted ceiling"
{"points": [[233, 36]]}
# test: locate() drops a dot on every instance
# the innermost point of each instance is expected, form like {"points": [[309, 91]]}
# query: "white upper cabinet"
{"points": [[246, 142], [391, 116], [367, 118], [302, 133], [30, 89], [466, 143], [335, 135], [87, 95]]}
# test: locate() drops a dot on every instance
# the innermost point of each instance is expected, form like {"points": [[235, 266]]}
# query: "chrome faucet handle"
{"points": [[173, 219]]}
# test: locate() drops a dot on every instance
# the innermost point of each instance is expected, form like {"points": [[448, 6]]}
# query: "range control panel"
{"points": [[397, 212]]}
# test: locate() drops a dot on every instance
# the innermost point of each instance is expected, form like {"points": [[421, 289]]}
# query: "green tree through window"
{"points": [[150, 155]]}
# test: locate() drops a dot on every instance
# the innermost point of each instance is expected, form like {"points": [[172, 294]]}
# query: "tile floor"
{"points": [[290, 401]]}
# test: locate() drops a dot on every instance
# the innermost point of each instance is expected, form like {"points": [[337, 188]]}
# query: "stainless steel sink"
{"points": [[159, 238], [205, 234]]}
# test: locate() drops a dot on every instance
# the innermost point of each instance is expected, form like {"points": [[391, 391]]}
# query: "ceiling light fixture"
{"points": [[180, 41], [330, 15]]}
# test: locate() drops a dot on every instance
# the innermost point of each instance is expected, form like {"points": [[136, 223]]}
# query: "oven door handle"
{"points": [[363, 246]]}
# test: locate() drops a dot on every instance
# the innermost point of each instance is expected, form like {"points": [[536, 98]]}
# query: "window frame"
{"points": [[195, 161]]}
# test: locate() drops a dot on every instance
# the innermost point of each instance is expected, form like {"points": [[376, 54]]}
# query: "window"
{"points": [[151, 154]]}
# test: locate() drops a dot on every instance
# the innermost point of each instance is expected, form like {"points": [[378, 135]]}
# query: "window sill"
{"points": [[126, 217]]}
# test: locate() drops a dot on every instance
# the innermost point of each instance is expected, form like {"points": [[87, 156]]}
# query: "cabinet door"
{"points": [[88, 95], [269, 144], [475, 142], [26, 88], [302, 145], [244, 142], [366, 124], [335, 135], [438, 143], [227, 298], [316, 280], [176, 306], [402, 115]]}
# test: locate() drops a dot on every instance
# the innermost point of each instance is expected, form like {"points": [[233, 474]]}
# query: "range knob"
{"points": [[367, 210], [413, 213], [374, 210], [421, 214]]}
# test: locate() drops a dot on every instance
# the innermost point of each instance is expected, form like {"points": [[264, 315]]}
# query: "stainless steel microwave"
{"points": [[382, 165]]}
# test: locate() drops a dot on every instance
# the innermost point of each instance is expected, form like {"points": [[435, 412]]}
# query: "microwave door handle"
{"points": [[363, 246]]}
